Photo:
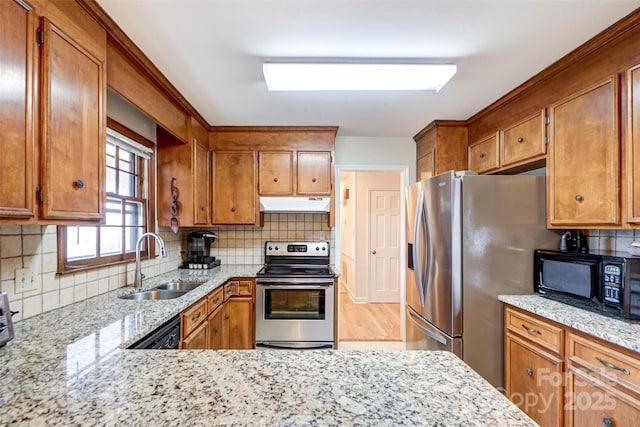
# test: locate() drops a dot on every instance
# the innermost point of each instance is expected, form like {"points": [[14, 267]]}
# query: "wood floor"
{"points": [[368, 322]]}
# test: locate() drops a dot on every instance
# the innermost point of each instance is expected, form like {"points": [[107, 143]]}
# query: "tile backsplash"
{"points": [[35, 246], [612, 240]]}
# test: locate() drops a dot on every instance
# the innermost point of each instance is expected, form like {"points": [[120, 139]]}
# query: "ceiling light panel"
{"points": [[355, 77]]}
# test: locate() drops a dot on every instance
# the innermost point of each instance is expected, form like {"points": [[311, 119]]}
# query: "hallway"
{"points": [[368, 322]]}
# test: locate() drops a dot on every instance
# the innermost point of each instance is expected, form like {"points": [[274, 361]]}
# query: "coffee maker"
{"points": [[199, 251]]}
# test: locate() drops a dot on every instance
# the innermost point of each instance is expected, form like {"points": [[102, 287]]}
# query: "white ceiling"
{"points": [[212, 51]]}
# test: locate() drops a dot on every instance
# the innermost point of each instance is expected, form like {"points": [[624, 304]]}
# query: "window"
{"points": [[127, 210]]}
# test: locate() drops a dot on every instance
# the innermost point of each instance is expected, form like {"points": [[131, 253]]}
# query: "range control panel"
{"points": [[288, 249], [612, 284]]}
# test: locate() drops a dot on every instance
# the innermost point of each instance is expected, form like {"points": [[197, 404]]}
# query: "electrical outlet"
{"points": [[25, 280]]}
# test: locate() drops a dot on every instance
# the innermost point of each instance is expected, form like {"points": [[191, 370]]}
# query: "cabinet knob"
{"points": [[520, 139], [579, 198], [78, 183], [275, 179], [233, 209], [482, 155], [313, 180], [529, 371]]}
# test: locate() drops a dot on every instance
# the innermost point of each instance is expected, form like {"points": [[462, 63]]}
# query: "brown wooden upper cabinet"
{"points": [[314, 173], [524, 141], [234, 190], [519, 144], [275, 173], [68, 181], [441, 146], [632, 153], [583, 166], [483, 154]]}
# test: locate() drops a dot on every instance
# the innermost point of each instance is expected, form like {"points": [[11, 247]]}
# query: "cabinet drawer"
{"points": [[214, 299], [612, 366], [245, 288], [591, 403], [523, 141], [538, 331], [483, 155], [230, 289], [193, 316]]}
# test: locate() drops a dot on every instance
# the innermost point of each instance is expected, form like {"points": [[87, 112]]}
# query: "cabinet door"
{"points": [[533, 381], [201, 180], [590, 403], [276, 173], [238, 324], [314, 173], [523, 141], [215, 338], [73, 128], [633, 147], [426, 166], [234, 187], [583, 164], [17, 32], [196, 340], [483, 154]]}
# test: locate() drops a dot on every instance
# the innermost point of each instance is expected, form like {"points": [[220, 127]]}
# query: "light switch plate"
{"points": [[25, 280]]}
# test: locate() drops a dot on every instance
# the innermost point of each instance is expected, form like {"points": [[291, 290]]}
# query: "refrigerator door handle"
{"points": [[424, 328], [418, 262]]}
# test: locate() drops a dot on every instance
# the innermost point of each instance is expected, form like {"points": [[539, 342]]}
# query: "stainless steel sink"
{"points": [[179, 286], [153, 294]]}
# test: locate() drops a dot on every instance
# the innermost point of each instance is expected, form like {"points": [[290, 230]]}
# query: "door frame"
{"points": [[404, 181]]}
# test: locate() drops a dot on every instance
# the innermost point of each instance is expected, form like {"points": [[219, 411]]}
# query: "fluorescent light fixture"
{"points": [[355, 76]]}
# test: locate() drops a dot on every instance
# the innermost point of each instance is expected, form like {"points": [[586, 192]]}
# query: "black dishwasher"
{"points": [[166, 337]]}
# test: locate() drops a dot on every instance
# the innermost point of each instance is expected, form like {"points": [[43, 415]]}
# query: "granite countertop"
{"points": [[71, 367], [624, 333]]}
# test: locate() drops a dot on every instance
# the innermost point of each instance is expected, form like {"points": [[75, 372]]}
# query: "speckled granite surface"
{"points": [[617, 331], [69, 367]]}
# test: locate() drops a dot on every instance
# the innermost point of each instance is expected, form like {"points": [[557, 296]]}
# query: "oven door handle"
{"points": [[296, 286], [311, 346]]}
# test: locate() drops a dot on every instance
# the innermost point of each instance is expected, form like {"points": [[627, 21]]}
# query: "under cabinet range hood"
{"points": [[295, 204]]}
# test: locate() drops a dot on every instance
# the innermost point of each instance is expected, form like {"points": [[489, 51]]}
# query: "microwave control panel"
{"points": [[612, 284]]}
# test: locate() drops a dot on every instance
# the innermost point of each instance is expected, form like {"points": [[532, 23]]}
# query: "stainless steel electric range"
{"points": [[295, 297]]}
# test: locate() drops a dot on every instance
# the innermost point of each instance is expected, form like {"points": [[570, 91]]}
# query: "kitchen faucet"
{"points": [[137, 280]]}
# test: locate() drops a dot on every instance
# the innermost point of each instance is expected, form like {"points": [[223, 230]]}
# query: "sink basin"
{"points": [[179, 286], [153, 295]]}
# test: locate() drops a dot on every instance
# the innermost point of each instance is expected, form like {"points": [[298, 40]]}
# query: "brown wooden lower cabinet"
{"points": [[196, 340], [560, 376], [212, 323], [533, 380]]}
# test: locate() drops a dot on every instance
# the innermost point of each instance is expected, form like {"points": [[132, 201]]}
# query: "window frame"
{"points": [[66, 267]]}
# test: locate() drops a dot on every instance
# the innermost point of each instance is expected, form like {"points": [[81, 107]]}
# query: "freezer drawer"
{"points": [[421, 335]]}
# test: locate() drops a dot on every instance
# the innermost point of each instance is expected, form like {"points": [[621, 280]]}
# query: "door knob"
{"points": [[374, 252]]}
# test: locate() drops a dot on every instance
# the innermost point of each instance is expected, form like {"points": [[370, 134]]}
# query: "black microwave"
{"points": [[608, 279]]}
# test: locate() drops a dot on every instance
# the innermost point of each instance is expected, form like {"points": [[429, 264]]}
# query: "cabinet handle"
{"points": [[196, 317], [533, 331], [78, 183], [482, 155], [520, 139], [607, 422], [612, 366], [275, 179], [233, 209], [529, 371], [579, 198]]}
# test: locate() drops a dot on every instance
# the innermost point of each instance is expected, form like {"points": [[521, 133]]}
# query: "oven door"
{"points": [[296, 316]]}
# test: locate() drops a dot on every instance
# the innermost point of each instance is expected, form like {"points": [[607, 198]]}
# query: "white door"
{"points": [[384, 242]]}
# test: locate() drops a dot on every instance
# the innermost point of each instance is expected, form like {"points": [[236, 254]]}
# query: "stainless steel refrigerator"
{"points": [[470, 238]]}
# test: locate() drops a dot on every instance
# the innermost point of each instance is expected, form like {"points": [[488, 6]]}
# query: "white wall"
{"points": [[362, 150]]}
